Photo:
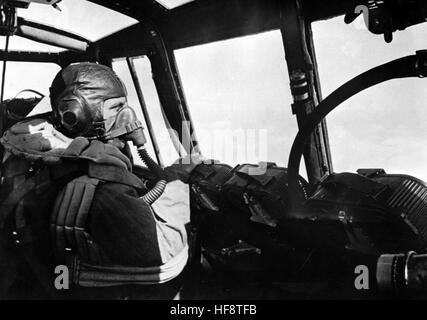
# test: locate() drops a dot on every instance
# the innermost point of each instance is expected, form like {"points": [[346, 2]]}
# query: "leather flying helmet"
{"points": [[90, 100]]}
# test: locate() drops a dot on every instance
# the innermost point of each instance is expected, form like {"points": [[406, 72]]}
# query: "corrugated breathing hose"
{"points": [[151, 196]]}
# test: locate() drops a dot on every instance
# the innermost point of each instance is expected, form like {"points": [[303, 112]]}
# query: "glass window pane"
{"points": [[239, 98], [143, 68], [168, 152], [121, 68], [29, 75], [383, 127], [81, 17]]}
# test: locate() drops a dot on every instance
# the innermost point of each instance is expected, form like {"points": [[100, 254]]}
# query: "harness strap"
{"points": [[68, 221], [115, 174]]}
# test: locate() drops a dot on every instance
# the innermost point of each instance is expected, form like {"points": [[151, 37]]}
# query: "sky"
{"points": [[239, 98], [243, 83], [240, 87], [385, 126]]}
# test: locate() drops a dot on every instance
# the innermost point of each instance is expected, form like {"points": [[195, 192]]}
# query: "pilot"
{"points": [[72, 213]]}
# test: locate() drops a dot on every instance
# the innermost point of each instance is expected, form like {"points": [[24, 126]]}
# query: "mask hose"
{"points": [[151, 196], [127, 125]]}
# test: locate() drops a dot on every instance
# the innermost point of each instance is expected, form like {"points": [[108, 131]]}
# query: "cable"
{"points": [[3, 77]]}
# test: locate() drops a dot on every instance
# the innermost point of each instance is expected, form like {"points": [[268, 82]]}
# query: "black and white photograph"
{"points": [[216, 155]]}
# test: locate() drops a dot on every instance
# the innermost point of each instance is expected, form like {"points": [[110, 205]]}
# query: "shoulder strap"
{"points": [[68, 221], [115, 174]]}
